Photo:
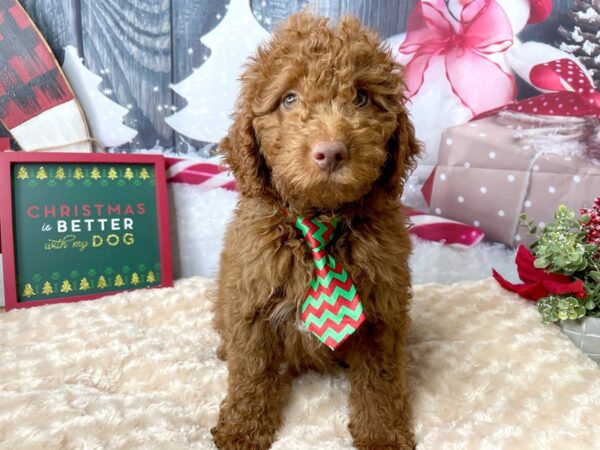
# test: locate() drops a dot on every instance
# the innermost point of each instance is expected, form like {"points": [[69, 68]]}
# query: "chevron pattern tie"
{"points": [[332, 310]]}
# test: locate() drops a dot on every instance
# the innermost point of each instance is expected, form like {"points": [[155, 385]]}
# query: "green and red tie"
{"points": [[332, 310]]}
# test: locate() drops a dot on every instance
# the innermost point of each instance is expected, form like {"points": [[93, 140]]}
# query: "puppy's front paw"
{"points": [[385, 447], [226, 439], [394, 446], [405, 442]]}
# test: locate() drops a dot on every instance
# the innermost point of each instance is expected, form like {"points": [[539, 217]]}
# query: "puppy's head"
{"points": [[319, 121]]}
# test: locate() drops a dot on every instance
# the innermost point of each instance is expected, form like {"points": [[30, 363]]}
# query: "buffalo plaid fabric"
{"points": [[30, 80]]}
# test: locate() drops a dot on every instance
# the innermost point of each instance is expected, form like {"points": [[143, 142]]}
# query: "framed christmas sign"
{"points": [[80, 226]]}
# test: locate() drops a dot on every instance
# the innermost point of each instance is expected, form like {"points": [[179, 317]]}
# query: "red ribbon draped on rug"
{"points": [[537, 283]]}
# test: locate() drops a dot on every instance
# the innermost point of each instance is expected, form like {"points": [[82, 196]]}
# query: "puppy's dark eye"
{"points": [[289, 100], [361, 99]]}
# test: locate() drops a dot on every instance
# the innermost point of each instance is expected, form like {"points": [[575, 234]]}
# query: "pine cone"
{"points": [[580, 30]]}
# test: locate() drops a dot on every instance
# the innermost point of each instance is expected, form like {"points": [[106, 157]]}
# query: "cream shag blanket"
{"points": [[138, 371]]}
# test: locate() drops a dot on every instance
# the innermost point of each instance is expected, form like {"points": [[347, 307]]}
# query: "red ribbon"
{"points": [[537, 282], [484, 28], [574, 92]]}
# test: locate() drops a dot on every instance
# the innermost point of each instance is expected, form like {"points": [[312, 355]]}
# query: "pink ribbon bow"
{"points": [[484, 28], [575, 94]]}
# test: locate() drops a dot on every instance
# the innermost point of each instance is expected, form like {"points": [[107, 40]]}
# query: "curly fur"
{"points": [[265, 264]]}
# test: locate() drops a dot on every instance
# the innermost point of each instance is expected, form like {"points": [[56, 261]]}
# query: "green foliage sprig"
{"points": [[567, 246]]}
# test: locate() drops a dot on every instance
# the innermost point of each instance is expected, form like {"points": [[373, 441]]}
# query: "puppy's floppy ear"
{"points": [[403, 152], [240, 149]]}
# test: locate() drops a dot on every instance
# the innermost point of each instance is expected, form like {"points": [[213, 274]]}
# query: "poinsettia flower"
{"points": [[537, 283]]}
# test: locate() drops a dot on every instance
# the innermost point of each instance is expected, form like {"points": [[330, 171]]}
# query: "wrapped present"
{"points": [[525, 157], [492, 170]]}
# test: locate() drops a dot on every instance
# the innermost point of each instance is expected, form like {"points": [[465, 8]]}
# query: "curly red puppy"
{"points": [[319, 130]]}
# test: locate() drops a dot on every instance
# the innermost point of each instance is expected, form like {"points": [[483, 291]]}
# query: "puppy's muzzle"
{"points": [[329, 155]]}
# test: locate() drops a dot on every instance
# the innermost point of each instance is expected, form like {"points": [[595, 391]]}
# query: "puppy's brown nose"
{"points": [[329, 155]]}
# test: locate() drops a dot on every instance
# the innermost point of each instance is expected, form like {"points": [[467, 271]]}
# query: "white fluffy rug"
{"points": [[139, 371]]}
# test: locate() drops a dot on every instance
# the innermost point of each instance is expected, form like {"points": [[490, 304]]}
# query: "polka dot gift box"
{"points": [[525, 157], [491, 170]]}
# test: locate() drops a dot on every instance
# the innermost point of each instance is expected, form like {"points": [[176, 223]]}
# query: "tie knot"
{"points": [[318, 234]]}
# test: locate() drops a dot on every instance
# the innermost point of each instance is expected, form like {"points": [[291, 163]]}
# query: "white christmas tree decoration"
{"points": [[212, 88], [104, 116]]}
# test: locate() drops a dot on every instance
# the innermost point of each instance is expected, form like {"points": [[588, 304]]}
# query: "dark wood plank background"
{"points": [[141, 47]]}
